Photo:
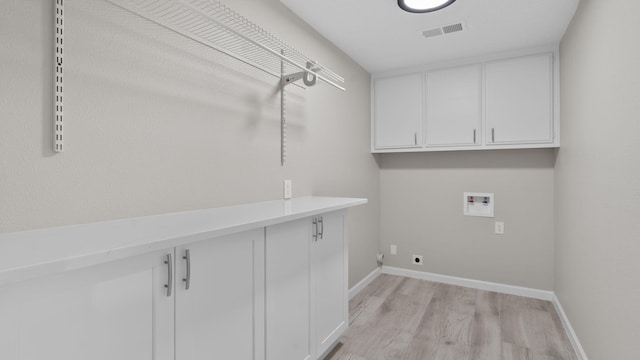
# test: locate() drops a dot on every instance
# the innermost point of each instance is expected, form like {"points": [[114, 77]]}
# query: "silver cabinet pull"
{"points": [[474, 136], [169, 284], [493, 135], [187, 280], [315, 229], [321, 228], [415, 138]]}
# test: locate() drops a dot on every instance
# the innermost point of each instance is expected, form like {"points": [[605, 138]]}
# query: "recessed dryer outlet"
{"points": [[478, 204]]}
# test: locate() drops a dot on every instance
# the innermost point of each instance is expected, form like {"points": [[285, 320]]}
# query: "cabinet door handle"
{"points": [[169, 284], [315, 229], [493, 135], [321, 228], [474, 136], [187, 280], [415, 138]]}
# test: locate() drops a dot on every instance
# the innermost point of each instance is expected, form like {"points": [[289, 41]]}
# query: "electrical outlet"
{"points": [[288, 189], [417, 259], [393, 250], [499, 227]]}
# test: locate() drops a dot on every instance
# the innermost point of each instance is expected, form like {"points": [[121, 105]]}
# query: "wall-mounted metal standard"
{"points": [[58, 74], [214, 25]]}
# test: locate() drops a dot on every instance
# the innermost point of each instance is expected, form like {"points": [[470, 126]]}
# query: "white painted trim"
{"points": [[470, 283], [364, 282], [577, 347]]}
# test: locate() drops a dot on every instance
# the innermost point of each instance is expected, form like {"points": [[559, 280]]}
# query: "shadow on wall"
{"points": [[480, 159]]}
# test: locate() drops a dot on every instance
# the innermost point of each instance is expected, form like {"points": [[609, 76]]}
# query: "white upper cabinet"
{"points": [[519, 100], [454, 106], [493, 103], [398, 112]]}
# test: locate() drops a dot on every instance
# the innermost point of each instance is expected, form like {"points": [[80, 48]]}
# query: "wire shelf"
{"points": [[213, 24]]}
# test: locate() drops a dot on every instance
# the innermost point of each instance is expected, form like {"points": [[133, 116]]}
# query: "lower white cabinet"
{"points": [[141, 308], [306, 287], [276, 293], [288, 286], [118, 310], [215, 304], [329, 279]]}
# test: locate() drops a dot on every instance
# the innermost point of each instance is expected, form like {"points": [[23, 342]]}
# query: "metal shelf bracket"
{"points": [[308, 77]]}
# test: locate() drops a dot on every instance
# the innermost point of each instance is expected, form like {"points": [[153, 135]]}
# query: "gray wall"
{"points": [[422, 213], [158, 124], [598, 179]]}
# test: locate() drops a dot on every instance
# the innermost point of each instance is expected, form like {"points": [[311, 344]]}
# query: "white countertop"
{"points": [[29, 254]]}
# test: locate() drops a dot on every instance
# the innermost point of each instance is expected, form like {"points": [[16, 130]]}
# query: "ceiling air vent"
{"points": [[447, 29], [452, 28], [432, 32]]}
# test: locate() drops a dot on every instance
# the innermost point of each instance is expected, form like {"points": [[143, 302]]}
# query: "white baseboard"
{"points": [[569, 329], [474, 284], [364, 282]]}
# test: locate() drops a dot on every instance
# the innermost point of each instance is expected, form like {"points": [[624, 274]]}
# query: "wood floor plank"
{"points": [[399, 315], [513, 352], [486, 332], [371, 298], [397, 318], [444, 329], [525, 322], [559, 340]]}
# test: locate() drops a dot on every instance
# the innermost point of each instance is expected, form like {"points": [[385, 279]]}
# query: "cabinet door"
{"points": [[215, 315], [454, 106], [398, 112], [519, 100], [329, 281], [287, 289], [119, 310]]}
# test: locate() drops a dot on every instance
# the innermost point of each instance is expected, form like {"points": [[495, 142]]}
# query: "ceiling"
{"points": [[382, 37]]}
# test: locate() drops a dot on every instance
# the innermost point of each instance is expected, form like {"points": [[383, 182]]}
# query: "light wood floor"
{"points": [[409, 319]]}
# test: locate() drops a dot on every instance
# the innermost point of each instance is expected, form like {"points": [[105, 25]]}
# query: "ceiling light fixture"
{"points": [[423, 6]]}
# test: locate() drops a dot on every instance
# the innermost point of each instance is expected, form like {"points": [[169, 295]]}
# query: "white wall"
{"points": [[422, 213], [598, 179], [155, 123]]}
